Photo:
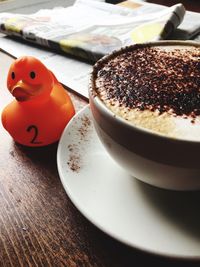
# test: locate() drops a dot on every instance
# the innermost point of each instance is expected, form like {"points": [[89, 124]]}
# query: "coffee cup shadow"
{"points": [[179, 208]]}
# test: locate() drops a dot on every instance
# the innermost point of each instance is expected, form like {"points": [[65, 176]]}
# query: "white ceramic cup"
{"points": [[156, 159]]}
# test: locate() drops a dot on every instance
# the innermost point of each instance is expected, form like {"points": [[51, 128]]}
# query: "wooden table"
{"points": [[39, 225], [191, 5]]}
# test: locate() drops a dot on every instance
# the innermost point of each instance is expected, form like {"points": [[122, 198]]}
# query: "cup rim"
{"points": [[94, 96]]}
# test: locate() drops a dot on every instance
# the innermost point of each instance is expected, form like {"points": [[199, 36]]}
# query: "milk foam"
{"points": [[167, 122], [164, 124]]}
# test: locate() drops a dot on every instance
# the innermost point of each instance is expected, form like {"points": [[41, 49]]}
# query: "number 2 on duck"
{"points": [[34, 130]]}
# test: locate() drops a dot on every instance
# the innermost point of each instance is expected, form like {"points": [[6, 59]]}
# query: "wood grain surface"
{"points": [[191, 5], [39, 226]]}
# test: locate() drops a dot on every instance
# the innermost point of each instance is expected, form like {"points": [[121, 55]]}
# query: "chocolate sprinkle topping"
{"points": [[153, 78]]}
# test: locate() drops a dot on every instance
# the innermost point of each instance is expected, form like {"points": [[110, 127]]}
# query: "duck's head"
{"points": [[29, 80]]}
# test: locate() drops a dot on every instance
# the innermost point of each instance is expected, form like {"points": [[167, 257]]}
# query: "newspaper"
{"points": [[88, 30]]}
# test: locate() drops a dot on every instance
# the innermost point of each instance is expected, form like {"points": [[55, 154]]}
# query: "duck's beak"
{"points": [[24, 92], [20, 94]]}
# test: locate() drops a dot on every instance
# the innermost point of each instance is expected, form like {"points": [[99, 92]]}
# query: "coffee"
{"points": [[156, 88]]}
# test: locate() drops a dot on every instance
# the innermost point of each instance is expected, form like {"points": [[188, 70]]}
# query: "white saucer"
{"points": [[151, 219]]}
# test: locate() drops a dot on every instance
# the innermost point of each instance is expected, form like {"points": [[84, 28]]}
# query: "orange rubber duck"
{"points": [[41, 109]]}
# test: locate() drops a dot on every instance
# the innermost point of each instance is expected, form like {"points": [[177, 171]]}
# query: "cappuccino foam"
{"points": [[154, 87]]}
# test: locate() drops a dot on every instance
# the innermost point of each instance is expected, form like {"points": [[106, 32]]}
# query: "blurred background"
{"points": [[30, 6], [192, 5]]}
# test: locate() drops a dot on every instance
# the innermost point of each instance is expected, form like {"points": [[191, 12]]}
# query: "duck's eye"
{"points": [[32, 75], [13, 75]]}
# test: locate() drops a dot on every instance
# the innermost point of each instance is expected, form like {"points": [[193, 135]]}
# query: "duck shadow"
{"points": [[44, 156], [181, 208]]}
